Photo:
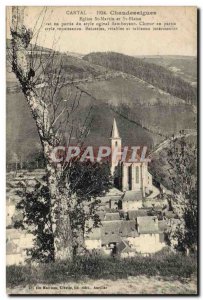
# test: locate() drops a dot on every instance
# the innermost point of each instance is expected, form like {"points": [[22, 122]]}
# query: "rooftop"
{"points": [[112, 231], [114, 192], [112, 216], [147, 224], [133, 214], [162, 225], [114, 132], [132, 196], [94, 234]]}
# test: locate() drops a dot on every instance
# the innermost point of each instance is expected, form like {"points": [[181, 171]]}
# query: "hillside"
{"points": [[160, 166], [183, 66], [152, 73], [145, 114]]}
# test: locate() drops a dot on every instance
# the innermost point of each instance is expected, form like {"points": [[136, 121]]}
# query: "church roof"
{"points": [[132, 196], [114, 132]]}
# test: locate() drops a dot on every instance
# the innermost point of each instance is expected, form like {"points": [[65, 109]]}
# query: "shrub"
{"points": [[98, 267], [16, 275]]}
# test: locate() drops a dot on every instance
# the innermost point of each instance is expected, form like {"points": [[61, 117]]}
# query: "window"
{"points": [[130, 178], [137, 174]]}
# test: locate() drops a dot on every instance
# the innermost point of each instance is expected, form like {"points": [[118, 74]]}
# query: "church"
{"points": [[127, 227], [131, 178]]}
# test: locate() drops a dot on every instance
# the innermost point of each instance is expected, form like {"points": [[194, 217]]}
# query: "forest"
{"points": [[154, 74]]}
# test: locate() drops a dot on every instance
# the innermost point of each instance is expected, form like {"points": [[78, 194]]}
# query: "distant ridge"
{"points": [[152, 73]]}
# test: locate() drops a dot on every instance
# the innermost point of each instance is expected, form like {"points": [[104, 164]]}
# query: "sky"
{"points": [[179, 42]]}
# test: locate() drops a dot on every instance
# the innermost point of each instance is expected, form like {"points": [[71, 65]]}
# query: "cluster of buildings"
{"points": [[133, 213], [18, 241]]}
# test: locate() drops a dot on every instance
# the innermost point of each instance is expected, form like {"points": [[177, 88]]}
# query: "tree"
{"points": [[36, 219], [42, 80], [182, 158], [154, 74], [87, 181], [14, 159]]}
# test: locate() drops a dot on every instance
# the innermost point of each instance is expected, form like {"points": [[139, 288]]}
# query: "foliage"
{"points": [[152, 73], [36, 161], [98, 267], [35, 205], [53, 116], [182, 158], [87, 181]]}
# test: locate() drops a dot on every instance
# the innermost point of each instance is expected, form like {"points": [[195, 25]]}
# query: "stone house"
{"points": [[128, 238], [150, 238], [132, 200], [17, 244], [93, 239]]}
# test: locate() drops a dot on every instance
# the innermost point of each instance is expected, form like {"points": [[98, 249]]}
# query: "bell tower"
{"points": [[115, 147]]}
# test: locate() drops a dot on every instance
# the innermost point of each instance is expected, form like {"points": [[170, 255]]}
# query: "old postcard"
{"points": [[102, 110]]}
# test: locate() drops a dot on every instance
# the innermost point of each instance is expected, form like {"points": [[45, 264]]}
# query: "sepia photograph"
{"points": [[101, 150]]}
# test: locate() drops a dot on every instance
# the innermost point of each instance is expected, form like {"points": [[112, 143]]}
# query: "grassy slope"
{"points": [[140, 285], [166, 266], [160, 167], [154, 74], [185, 67], [144, 104], [147, 107]]}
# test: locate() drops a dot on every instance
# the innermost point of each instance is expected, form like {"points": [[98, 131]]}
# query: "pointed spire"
{"points": [[114, 132]]}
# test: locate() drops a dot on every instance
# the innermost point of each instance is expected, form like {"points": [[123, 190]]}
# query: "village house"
{"points": [[10, 211], [18, 241], [93, 239], [150, 237], [126, 228], [140, 236], [17, 244], [132, 200]]}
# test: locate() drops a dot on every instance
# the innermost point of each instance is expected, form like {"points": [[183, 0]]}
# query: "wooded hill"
{"points": [[152, 73]]}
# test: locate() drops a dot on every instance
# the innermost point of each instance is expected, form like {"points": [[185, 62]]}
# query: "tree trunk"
{"points": [[61, 226], [58, 203]]}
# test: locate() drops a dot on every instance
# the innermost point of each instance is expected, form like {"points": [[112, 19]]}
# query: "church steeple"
{"points": [[114, 132], [115, 146]]}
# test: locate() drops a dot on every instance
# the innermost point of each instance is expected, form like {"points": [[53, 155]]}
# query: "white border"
{"points": [[5, 3]]}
